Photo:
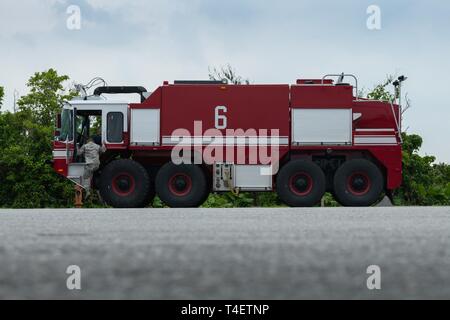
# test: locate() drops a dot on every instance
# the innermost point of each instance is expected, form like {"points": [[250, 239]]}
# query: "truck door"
{"points": [[71, 143], [68, 134], [64, 144]]}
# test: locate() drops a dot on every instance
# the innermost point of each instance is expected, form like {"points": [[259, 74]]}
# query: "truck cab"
{"points": [[81, 119]]}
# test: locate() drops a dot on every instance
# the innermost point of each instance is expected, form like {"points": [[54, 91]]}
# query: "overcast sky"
{"points": [[140, 42]]}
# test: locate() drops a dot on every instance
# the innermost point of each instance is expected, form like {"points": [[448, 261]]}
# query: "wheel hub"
{"points": [[359, 183], [180, 184], [123, 184], [301, 184]]}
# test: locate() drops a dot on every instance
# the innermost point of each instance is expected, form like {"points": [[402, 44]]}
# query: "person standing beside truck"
{"points": [[91, 152]]}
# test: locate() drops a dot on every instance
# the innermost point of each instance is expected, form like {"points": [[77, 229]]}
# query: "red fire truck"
{"points": [[190, 138]]}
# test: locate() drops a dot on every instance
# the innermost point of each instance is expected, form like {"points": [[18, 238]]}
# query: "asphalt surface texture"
{"points": [[283, 253]]}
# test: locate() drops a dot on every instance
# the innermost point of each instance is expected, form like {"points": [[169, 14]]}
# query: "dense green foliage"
{"points": [[28, 181], [26, 178], [424, 183]]}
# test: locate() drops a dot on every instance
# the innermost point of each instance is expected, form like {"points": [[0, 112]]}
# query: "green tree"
{"points": [[45, 97], [424, 182], [28, 181]]}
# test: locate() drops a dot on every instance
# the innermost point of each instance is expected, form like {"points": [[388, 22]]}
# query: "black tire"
{"points": [[181, 186], [125, 184], [301, 183], [358, 183]]}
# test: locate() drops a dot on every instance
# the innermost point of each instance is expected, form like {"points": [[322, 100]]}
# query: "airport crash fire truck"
{"points": [[190, 138]]}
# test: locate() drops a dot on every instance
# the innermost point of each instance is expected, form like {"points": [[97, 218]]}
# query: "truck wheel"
{"points": [[301, 183], [358, 183], [181, 186], [125, 184]]}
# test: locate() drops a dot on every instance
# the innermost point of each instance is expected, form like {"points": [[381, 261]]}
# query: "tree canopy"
{"points": [[45, 96]]}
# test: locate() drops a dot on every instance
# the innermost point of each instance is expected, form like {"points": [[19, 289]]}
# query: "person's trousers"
{"points": [[89, 170]]}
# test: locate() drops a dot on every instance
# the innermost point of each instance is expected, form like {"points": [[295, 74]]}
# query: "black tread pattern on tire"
{"points": [[140, 198], [345, 197], [195, 198], [291, 199]]}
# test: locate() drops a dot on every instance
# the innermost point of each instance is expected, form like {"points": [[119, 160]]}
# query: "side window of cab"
{"points": [[114, 127]]}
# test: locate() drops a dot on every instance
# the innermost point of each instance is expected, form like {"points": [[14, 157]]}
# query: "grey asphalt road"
{"points": [[320, 253]]}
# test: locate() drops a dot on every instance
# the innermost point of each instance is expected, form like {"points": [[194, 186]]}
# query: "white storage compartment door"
{"points": [[145, 128], [252, 177], [322, 126]]}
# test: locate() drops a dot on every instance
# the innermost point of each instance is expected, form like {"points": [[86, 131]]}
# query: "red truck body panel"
{"points": [[248, 107], [318, 96]]}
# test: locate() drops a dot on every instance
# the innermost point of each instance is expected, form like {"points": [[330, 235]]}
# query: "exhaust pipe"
{"points": [[121, 90]]}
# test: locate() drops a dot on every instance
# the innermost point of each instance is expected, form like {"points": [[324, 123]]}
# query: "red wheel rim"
{"points": [[180, 184], [358, 183], [123, 184], [301, 184]]}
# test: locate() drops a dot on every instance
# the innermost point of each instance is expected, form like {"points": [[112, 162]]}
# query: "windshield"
{"points": [[66, 125]]}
